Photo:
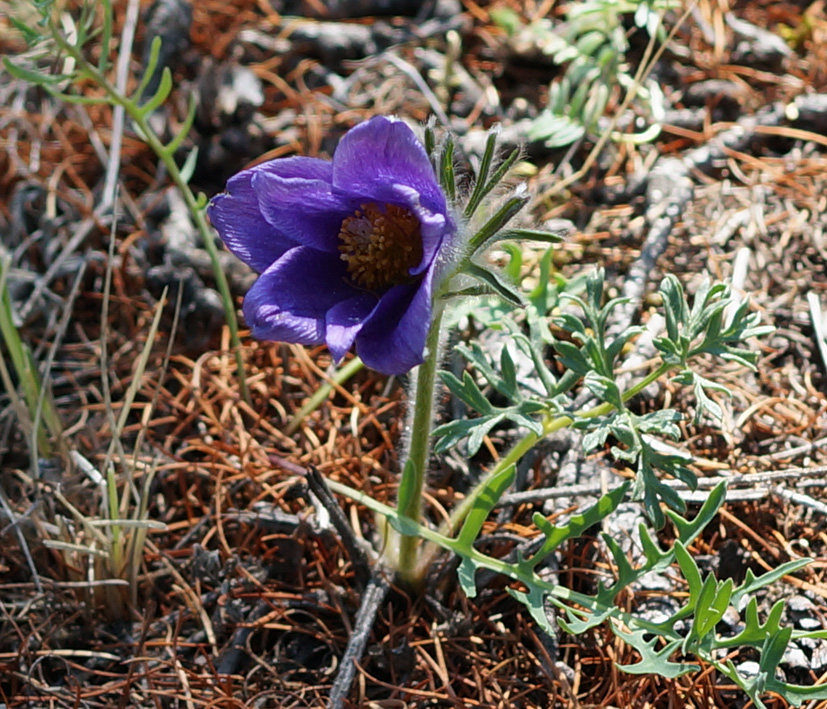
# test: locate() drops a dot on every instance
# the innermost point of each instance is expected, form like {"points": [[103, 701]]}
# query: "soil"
{"points": [[241, 595]]}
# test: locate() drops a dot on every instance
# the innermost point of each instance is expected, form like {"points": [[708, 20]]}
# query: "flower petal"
{"points": [[290, 300], [392, 339], [239, 221], [435, 228], [306, 211], [344, 321], [236, 216], [377, 156]]}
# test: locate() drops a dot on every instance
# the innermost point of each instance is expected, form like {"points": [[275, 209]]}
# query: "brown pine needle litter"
{"points": [[180, 557]]}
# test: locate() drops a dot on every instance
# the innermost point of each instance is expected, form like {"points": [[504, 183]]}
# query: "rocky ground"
{"points": [[239, 595]]}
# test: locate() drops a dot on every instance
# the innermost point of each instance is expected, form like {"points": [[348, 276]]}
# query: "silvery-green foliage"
{"points": [[52, 38], [669, 647], [712, 324], [591, 355], [591, 43]]}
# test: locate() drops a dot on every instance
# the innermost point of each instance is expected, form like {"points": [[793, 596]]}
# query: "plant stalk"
{"points": [[413, 477], [339, 377], [521, 447], [194, 204]]}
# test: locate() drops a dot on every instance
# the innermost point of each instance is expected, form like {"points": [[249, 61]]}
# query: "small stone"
{"points": [[809, 623], [795, 657], [731, 619], [748, 669], [819, 659], [800, 604], [802, 612]]}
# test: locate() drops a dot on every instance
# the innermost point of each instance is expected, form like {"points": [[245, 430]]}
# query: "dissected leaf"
{"points": [[466, 573], [577, 524], [653, 661]]}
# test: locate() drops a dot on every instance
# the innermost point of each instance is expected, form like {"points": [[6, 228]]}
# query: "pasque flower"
{"points": [[348, 251]]}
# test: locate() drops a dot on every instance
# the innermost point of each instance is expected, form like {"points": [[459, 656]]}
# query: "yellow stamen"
{"points": [[380, 244]]}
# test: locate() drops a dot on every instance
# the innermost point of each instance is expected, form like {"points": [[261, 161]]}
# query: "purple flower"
{"points": [[348, 250]]}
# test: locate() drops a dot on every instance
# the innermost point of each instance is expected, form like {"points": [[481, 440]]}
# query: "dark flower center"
{"points": [[380, 244]]}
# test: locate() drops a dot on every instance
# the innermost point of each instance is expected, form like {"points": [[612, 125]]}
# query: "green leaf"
{"points": [[572, 357], [653, 661], [687, 531], [188, 168], [513, 270], [534, 601], [477, 357], [505, 291], [660, 422], [467, 391], [605, 389], [30, 35], [578, 620], [656, 558], [674, 305], [625, 573], [753, 583], [548, 237], [149, 71], [772, 652], [430, 139], [577, 524], [543, 296], [711, 608], [556, 131], [498, 220], [482, 174], [796, 694], [467, 572], [616, 346], [589, 42], [446, 174], [505, 18], [175, 143], [161, 94], [691, 573], [451, 433], [479, 432], [596, 438], [509, 374], [754, 632], [494, 180], [32, 77], [484, 502], [521, 416]]}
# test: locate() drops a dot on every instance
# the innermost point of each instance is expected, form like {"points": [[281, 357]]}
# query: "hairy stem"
{"points": [[514, 571], [416, 465]]}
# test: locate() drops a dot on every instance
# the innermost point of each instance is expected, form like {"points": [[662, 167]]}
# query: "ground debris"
{"points": [[240, 596]]}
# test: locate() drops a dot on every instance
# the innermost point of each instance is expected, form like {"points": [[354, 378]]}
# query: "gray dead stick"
{"points": [[236, 653], [357, 552], [377, 578], [372, 599]]}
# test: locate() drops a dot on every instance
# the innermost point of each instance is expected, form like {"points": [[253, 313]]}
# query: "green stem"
{"points": [[340, 376], [412, 481], [525, 444], [514, 571], [194, 204]]}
